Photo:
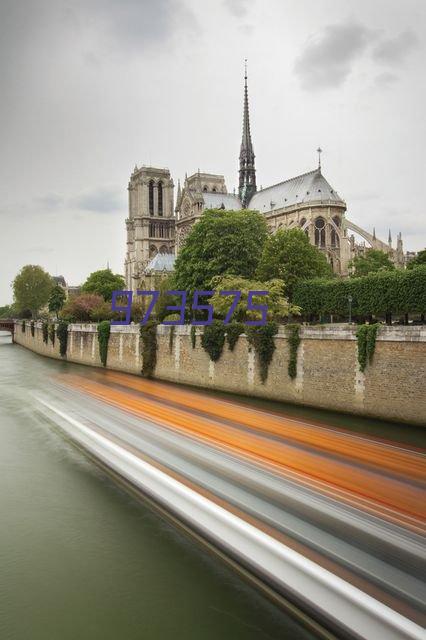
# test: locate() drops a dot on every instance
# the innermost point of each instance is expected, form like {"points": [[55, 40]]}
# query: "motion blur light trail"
{"points": [[349, 504], [397, 492]]}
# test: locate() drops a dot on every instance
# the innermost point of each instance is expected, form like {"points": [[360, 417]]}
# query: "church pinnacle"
{"points": [[247, 173]]}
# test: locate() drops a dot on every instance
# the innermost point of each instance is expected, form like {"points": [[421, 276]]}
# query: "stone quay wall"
{"points": [[328, 376]]}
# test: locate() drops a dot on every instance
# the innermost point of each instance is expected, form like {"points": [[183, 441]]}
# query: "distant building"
{"points": [[307, 201]]}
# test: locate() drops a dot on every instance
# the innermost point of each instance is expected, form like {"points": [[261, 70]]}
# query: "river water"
{"points": [[81, 559]]}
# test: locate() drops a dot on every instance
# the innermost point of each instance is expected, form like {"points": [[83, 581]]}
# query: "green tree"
{"points": [[56, 299], [418, 260], [278, 306], [31, 288], [6, 311], [222, 242], [373, 261], [289, 256], [103, 283]]}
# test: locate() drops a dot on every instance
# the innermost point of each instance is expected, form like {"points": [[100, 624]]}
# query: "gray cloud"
{"points": [[386, 79], [395, 50], [137, 24], [238, 8], [327, 60], [49, 202], [100, 200]]}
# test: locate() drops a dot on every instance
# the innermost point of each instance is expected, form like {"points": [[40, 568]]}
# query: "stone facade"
{"points": [[328, 375], [151, 222]]}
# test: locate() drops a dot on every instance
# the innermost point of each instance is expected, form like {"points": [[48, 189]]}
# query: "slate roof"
{"points": [[161, 262], [214, 200], [308, 187]]}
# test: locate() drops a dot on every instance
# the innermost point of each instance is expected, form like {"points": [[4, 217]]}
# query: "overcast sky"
{"points": [[91, 87]]}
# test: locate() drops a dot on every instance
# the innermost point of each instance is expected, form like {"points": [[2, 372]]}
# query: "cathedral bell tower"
{"points": [[151, 221], [247, 173]]}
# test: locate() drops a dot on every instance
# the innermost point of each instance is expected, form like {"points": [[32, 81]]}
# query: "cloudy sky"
{"points": [[89, 88]]}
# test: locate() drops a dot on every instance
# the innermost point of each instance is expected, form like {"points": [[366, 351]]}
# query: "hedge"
{"points": [[381, 293]]}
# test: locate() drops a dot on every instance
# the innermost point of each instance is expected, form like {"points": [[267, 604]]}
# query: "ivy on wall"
{"points": [[52, 332], [148, 333], [32, 327], [366, 337], [104, 330], [213, 339], [62, 333], [293, 339], [45, 330], [23, 326], [193, 336], [233, 332], [171, 337], [262, 339]]}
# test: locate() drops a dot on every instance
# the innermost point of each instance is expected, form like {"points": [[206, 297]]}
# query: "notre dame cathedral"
{"points": [[157, 227]]}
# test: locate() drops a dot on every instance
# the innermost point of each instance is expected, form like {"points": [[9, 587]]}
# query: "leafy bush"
{"points": [[52, 332], [104, 330], [32, 327], [366, 336], [379, 293], [233, 332], [293, 338], [81, 308], [213, 339], [262, 339], [171, 337], [193, 336], [148, 333], [62, 333]]}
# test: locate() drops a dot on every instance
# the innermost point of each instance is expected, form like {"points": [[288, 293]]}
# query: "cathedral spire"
{"points": [[390, 238], [247, 173]]}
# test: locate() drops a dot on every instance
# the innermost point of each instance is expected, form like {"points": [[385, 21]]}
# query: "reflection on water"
{"points": [[80, 559]]}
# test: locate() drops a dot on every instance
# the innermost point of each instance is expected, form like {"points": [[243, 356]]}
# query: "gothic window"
{"points": [[336, 221], [205, 189], [161, 229], [302, 222], [163, 249], [152, 251], [151, 230], [151, 197], [214, 189], [334, 238], [320, 232], [160, 198]]}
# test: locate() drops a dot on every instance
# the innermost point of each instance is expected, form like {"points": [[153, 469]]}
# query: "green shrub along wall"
{"points": [[366, 336], [389, 292], [293, 337], [262, 339], [148, 333], [62, 333], [104, 330]]}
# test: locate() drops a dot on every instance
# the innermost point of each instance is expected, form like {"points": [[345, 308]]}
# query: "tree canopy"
{"points": [[31, 288], [222, 242], [56, 299], [86, 308], [418, 260], [103, 283], [373, 261], [278, 306], [289, 256]]}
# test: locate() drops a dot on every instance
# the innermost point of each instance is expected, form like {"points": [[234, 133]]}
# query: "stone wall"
{"points": [[328, 375]]}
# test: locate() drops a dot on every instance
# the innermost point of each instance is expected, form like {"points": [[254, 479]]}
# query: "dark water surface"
{"points": [[81, 559]]}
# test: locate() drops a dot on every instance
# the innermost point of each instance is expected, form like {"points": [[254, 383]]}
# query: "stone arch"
{"points": [[152, 251]]}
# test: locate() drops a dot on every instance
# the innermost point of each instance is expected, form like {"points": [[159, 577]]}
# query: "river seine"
{"points": [[81, 559]]}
